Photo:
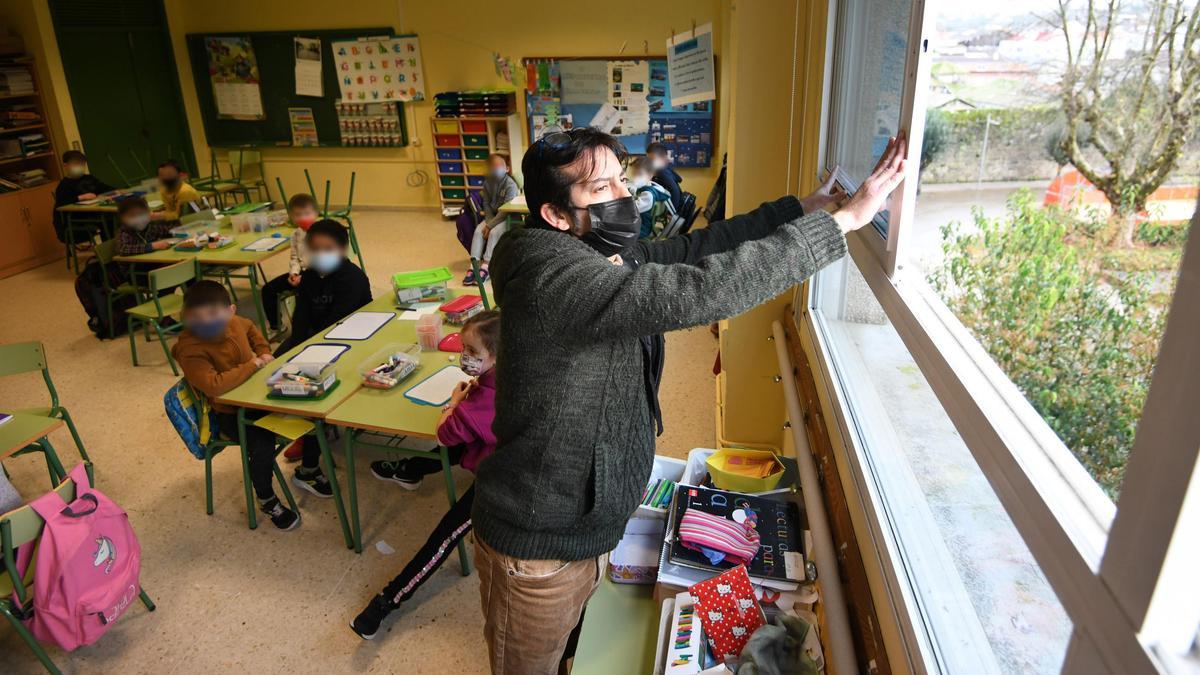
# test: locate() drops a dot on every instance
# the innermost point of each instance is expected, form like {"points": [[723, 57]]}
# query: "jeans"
{"points": [[478, 249], [270, 298]]}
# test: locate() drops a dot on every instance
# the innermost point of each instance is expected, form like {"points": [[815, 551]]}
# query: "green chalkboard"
{"points": [[275, 54]]}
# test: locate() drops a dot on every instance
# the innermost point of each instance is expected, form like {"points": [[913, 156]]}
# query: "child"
{"points": [[302, 212], [651, 198], [176, 194], [77, 184], [331, 288], [499, 188], [664, 175], [466, 428], [218, 350], [137, 233]]}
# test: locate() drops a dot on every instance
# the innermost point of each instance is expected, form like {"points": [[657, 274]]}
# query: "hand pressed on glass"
{"points": [[874, 191]]}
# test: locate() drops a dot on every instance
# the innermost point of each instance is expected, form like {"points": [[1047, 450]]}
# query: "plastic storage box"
{"points": [[476, 167], [462, 308], [451, 181], [665, 468], [635, 559], [476, 153], [389, 366], [429, 331], [422, 285], [450, 167], [474, 127], [477, 141], [449, 153], [303, 380], [454, 193], [475, 181], [722, 468], [446, 140]]}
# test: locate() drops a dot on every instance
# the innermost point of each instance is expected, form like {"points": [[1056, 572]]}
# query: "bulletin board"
{"points": [[275, 53], [571, 91]]}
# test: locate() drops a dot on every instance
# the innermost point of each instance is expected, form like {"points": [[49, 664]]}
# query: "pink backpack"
{"points": [[88, 561]]}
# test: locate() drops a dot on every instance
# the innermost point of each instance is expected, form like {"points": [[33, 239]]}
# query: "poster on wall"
{"points": [[308, 67], [690, 66], [380, 69], [304, 127], [628, 88], [233, 71]]}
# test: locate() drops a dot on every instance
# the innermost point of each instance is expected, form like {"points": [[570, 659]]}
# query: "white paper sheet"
{"points": [[308, 67], [359, 326], [265, 244], [436, 389], [318, 354], [418, 310]]}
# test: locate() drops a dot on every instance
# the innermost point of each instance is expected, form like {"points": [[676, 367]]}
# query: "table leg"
{"points": [[251, 516], [352, 487], [327, 456], [444, 454], [252, 276]]}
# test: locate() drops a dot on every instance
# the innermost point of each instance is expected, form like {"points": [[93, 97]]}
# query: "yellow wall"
{"points": [[457, 41]]}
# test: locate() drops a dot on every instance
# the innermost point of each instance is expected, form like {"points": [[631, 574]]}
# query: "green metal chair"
{"points": [[23, 527], [154, 311], [105, 251], [249, 174], [215, 445], [479, 283], [27, 357], [340, 214]]}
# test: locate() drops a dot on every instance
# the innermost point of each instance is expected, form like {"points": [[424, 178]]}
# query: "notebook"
{"points": [[265, 244], [436, 389], [359, 326]]}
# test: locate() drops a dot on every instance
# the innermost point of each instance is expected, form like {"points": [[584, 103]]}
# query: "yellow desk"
{"points": [[620, 630], [26, 430], [517, 206]]}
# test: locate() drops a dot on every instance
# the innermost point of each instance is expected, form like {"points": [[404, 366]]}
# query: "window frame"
{"points": [[1114, 570]]}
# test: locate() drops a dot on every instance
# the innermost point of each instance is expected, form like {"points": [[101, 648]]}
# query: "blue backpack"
{"points": [[191, 416]]}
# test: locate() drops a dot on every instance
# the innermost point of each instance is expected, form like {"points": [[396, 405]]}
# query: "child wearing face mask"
{"points": [[466, 429], [331, 288], [219, 350], [77, 184], [138, 233], [302, 212], [175, 193], [499, 188], [651, 198]]}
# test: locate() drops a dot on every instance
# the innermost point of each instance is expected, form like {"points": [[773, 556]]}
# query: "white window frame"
{"points": [[1126, 577]]}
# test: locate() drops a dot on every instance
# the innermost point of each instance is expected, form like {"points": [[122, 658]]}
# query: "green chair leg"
{"points": [[29, 640], [208, 496], [147, 601], [352, 492], [57, 472], [129, 321], [327, 456], [162, 339], [251, 516], [354, 243], [66, 418], [287, 491]]}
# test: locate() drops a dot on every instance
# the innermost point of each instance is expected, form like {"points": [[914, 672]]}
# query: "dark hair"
{"points": [[206, 292], [72, 156], [657, 148], [130, 203], [301, 200], [486, 324], [546, 179], [172, 164], [329, 228]]}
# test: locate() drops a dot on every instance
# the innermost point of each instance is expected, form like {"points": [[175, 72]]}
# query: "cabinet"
{"points": [[462, 145], [27, 238]]}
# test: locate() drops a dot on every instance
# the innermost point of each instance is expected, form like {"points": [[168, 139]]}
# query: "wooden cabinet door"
{"points": [[39, 207], [15, 233]]}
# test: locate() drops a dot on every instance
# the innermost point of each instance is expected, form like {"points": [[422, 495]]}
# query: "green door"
{"points": [[124, 86]]}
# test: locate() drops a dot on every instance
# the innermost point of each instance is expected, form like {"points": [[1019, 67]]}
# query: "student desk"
{"points": [[25, 429], [620, 630], [516, 210], [229, 257], [381, 418]]}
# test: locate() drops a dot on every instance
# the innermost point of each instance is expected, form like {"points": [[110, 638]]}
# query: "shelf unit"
{"points": [[462, 145], [27, 214]]}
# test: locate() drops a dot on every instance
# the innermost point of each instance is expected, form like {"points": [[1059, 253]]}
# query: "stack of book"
{"points": [[8, 186], [28, 178], [19, 116], [33, 144], [15, 81]]}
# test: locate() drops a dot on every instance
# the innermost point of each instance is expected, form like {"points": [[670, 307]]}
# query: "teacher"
{"points": [[575, 403]]}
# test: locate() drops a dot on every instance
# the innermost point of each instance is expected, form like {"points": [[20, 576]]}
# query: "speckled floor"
{"points": [[234, 600]]}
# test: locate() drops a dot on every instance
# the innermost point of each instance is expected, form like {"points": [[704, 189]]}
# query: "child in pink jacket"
{"points": [[466, 429]]}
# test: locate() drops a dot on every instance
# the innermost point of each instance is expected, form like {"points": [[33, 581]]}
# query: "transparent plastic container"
{"points": [[185, 230], [390, 366], [460, 309], [429, 331], [240, 222], [258, 222], [431, 285], [303, 380], [277, 217]]}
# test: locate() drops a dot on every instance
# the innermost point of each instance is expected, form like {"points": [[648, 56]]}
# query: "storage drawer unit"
{"points": [[449, 153], [456, 195], [450, 167], [472, 140], [451, 181], [476, 153]]}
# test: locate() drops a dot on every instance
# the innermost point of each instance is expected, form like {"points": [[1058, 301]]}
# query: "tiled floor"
{"points": [[234, 600]]}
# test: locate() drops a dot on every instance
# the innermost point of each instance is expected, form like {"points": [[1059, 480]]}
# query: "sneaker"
{"points": [[483, 275], [282, 517], [366, 624], [295, 451], [314, 481], [470, 278], [394, 471]]}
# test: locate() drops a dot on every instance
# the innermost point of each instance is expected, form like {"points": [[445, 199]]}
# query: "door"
{"points": [[17, 231], [39, 208], [124, 86]]}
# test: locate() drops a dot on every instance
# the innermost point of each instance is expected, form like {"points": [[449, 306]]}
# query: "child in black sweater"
{"points": [[77, 184]]}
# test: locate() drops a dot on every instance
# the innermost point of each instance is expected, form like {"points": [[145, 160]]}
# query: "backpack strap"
{"points": [[79, 475]]}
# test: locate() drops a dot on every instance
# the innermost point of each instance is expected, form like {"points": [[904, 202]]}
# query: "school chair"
{"points": [[479, 283], [340, 214], [28, 357], [158, 308], [22, 527], [249, 174], [105, 251], [188, 397]]}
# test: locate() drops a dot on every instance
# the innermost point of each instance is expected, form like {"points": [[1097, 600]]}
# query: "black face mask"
{"points": [[171, 183], [615, 225]]}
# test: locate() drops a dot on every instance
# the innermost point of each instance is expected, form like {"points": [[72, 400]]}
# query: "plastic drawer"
{"points": [[477, 141], [474, 127], [477, 168], [445, 127], [442, 140], [449, 153], [454, 194], [475, 181], [451, 181], [450, 167], [475, 153]]}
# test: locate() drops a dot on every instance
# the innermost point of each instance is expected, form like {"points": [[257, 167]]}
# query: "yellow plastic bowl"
{"points": [[726, 480]]}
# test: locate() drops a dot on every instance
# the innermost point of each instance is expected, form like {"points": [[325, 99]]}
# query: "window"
{"points": [[1027, 295]]}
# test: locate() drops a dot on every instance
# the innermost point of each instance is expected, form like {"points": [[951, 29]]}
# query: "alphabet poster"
{"points": [[380, 69]]}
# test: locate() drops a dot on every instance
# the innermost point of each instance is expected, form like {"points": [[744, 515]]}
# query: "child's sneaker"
{"points": [[312, 480], [295, 451], [470, 278], [394, 471], [483, 275], [366, 624], [282, 517]]}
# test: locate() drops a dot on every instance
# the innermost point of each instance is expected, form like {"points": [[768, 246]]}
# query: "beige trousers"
{"points": [[530, 607]]}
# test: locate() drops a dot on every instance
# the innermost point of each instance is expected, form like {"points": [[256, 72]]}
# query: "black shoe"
{"points": [[366, 624], [282, 517], [396, 473], [314, 481]]}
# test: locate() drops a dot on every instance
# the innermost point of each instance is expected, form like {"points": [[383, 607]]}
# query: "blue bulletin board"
{"points": [[571, 91]]}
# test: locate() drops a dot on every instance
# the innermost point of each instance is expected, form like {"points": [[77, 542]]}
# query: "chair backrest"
{"points": [[19, 527], [171, 276], [21, 357], [105, 251], [240, 160], [473, 210]]}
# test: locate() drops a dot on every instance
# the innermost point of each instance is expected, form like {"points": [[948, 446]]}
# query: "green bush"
{"points": [[1162, 234], [1080, 347]]}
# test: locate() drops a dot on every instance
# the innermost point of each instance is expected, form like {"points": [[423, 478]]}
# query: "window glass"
{"points": [[982, 597], [1060, 265]]}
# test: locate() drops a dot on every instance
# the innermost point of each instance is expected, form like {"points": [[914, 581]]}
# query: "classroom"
{"points": [[690, 337]]}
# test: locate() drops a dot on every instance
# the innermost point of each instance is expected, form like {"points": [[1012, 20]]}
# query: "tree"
{"points": [[1141, 106], [937, 134], [1055, 148]]}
